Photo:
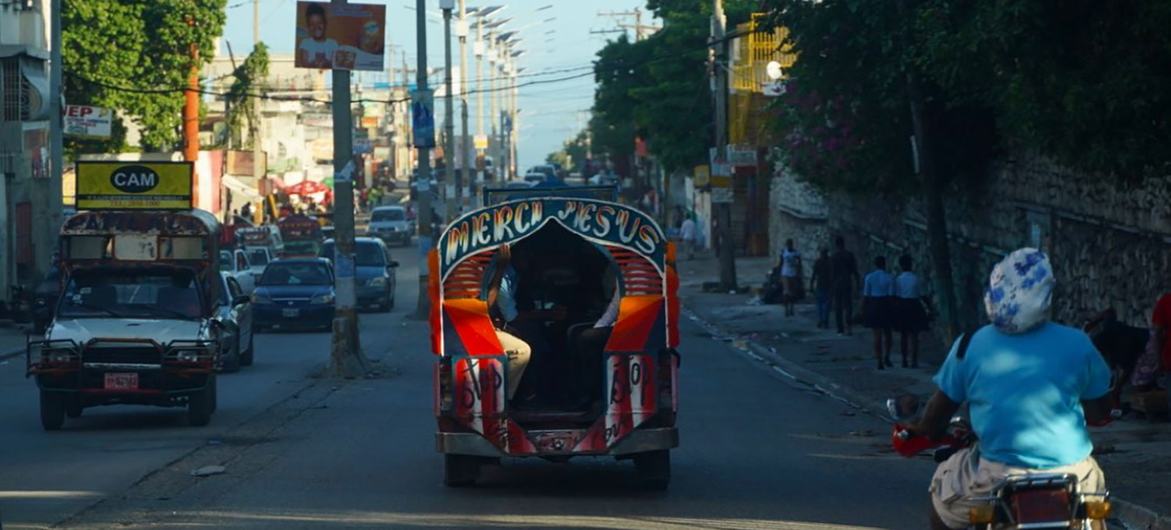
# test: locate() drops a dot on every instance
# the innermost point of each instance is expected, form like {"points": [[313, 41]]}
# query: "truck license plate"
{"points": [[290, 313], [120, 381]]}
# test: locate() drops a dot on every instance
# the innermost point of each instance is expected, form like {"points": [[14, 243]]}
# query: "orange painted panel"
{"points": [[636, 319], [469, 318]]}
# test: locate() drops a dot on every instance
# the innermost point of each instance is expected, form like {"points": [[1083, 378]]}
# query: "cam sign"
{"points": [[134, 185], [84, 120]]}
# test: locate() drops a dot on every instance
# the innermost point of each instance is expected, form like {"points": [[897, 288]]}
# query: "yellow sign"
{"points": [[481, 141], [702, 176], [134, 185]]}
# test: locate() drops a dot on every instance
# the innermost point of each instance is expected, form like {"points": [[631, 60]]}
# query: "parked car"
{"points": [[234, 313], [238, 266], [390, 224], [44, 301], [295, 293], [374, 275], [259, 258]]}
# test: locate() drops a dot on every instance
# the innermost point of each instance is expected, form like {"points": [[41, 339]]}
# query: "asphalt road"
{"points": [[757, 451]]}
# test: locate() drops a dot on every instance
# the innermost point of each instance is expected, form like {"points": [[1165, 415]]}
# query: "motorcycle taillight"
{"points": [[1041, 505]]}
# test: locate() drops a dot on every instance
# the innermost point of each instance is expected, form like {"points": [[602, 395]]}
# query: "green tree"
{"points": [[658, 88], [243, 106], [572, 153], [858, 92], [135, 57]]}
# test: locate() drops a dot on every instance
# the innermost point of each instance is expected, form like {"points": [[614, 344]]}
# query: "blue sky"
{"points": [[550, 113]]}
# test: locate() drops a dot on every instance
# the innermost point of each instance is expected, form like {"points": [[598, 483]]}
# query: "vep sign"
{"points": [[134, 179]]}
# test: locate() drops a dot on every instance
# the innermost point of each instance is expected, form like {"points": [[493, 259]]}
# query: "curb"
{"points": [[1133, 516]]}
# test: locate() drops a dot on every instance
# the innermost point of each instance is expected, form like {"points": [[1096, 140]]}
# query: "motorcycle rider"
{"points": [[1031, 386]]}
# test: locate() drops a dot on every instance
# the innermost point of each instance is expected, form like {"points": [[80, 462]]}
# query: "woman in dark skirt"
{"points": [[910, 315], [877, 309]]}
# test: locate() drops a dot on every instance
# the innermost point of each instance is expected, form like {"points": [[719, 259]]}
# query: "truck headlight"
{"points": [[57, 356], [322, 299], [259, 297], [193, 355], [376, 282]]}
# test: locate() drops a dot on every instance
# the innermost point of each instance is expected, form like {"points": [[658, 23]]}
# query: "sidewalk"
{"points": [[12, 339], [1134, 453]]}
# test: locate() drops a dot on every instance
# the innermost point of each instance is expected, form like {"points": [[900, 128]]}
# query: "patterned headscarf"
{"points": [[1019, 291]]}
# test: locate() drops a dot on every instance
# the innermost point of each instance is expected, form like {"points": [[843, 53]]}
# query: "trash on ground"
{"points": [[207, 471]]}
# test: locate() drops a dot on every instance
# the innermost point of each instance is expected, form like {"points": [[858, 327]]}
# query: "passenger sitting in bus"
{"points": [[501, 297], [588, 343]]}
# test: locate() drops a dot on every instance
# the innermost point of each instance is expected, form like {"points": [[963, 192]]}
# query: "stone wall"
{"points": [[1109, 243], [799, 212]]}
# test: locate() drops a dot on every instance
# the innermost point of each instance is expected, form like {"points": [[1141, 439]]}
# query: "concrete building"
{"points": [[296, 129], [30, 193]]}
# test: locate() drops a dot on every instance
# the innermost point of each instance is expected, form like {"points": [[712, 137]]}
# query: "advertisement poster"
{"points": [[423, 118], [84, 120], [340, 36], [134, 185], [36, 147]]}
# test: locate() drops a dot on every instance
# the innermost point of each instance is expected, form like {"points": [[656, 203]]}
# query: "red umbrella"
{"points": [[306, 187]]}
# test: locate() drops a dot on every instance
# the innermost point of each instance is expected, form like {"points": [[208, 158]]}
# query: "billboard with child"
{"points": [[340, 36]]}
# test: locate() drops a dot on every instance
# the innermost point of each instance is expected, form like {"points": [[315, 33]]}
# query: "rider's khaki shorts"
{"points": [[965, 476]]}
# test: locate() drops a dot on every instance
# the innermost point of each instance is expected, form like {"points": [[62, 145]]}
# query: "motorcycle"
{"points": [[1034, 501]]}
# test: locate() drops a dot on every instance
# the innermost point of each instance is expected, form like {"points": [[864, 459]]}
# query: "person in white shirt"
{"points": [[791, 277], [687, 235], [877, 296], [589, 345], [910, 314], [317, 50]]}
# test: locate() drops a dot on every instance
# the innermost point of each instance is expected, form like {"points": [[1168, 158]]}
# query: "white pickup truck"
{"points": [[237, 264]]}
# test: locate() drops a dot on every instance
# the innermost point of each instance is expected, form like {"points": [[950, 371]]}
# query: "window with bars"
{"points": [[14, 91]]}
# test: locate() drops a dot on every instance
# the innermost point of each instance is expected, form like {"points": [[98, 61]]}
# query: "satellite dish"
{"points": [[774, 70]]}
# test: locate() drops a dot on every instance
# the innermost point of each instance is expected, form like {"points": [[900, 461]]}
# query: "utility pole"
{"points": [[463, 105], [423, 141], [448, 111], [638, 27], [56, 140], [723, 210], [191, 116], [492, 50], [478, 49], [346, 358]]}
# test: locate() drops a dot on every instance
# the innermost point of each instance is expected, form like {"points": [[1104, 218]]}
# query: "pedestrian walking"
{"points": [[820, 284], [687, 236], [791, 276], [910, 311], [1156, 358], [844, 280], [877, 299]]}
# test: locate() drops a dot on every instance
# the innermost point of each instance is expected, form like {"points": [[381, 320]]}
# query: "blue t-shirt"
{"points": [[1025, 393]]}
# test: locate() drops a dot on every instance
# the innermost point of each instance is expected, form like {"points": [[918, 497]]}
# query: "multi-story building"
{"points": [[30, 193]]}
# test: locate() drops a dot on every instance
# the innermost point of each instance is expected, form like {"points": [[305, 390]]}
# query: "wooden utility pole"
{"points": [[723, 210], [191, 117], [640, 30], [933, 187], [259, 162]]}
